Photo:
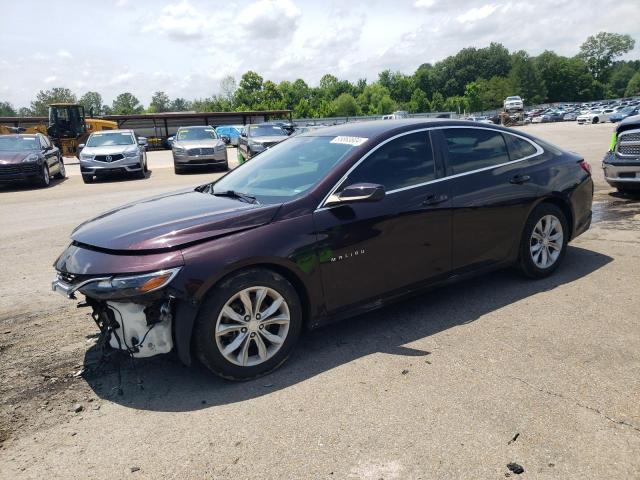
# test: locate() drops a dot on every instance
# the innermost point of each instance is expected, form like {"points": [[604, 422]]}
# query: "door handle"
{"points": [[434, 199], [520, 179]]}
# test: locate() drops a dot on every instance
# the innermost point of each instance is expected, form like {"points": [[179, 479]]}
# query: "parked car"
{"points": [[513, 103], [542, 118], [322, 226], [595, 116], [479, 119], [624, 113], [231, 132], [31, 158], [621, 164], [257, 138], [570, 116], [197, 147], [113, 151]]}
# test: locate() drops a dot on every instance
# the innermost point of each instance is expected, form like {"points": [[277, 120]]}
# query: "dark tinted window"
{"points": [[519, 148], [402, 162], [473, 148]]}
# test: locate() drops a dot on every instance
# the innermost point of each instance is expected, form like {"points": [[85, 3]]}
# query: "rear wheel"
{"points": [[595, 120], [544, 241], [248, 325]]}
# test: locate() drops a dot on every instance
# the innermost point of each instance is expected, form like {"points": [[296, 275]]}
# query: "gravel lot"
{"points": [[455, 384]]}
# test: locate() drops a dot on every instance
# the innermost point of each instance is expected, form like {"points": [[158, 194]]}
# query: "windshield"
{"points": [[196, 134], [266, 131], [286, 170], [106, 139], [513, 98], [18, 144]]}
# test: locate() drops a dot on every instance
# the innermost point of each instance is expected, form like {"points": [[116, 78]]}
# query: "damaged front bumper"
{"points": [[134, 311]]}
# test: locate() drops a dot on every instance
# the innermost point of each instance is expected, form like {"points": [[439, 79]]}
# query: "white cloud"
{"points": [[50, 79], [475, 14], [424, 3], [180, 21], [270, 19], [64, 54]]}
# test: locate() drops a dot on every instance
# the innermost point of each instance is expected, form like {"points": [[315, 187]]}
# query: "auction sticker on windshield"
{"points": [[355, 141]]}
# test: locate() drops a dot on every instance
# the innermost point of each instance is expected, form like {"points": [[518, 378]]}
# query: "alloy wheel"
{"points": [[546, 241], [45, 175], [252, 326]]}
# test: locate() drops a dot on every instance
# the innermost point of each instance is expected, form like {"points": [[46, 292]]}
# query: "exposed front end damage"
{"points": [[134, 311]]}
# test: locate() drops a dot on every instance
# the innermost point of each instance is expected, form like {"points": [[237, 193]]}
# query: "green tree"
{"points": [[180, 105], [419, 102], [423, 78], [400, 86], [25, 112], [345, 106], [633, 87], [494, 91], [271, 97], [472, 95], [375, 100], [106, 110], [160, 102], [44, 98], [249, 92], [91, 100], [525, 78], [126, 104], [437, 102], [619, 78], [456, 104], [7, 110], [599, 51]]}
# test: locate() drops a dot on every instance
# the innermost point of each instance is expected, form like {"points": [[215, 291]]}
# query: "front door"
{"points": [[367, 250]]}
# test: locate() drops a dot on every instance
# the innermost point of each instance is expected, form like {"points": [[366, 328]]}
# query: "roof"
{"points": [[119, 130], [191, 114], [370, 129], [635, 119], [25, 135]]}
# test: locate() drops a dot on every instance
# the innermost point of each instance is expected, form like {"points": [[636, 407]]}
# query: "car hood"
{"points": [[9, 158], [269, 139], [170, 221], [108, 149]]}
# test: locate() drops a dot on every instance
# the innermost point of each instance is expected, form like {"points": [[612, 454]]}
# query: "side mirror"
{"points": [[81, 146], [357, 193], [143, 141], [243, 134], [225, 138], [170, 139]]}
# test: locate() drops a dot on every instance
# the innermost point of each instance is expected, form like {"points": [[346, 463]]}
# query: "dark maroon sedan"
{"points": [[324, 225], [32, 158]]}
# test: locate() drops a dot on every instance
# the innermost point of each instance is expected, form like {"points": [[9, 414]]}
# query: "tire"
{"points": [[44, 180], [141, 174], [87, 178], [209, 348], [225, 167], [536, 268], [178, 170], [595, 120], [63, 172]]}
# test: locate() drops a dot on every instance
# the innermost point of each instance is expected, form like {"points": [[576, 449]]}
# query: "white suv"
{"points": [[513, 103]]}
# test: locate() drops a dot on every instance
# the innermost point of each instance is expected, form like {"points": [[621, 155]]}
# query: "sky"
{"points": [[185, 47]]}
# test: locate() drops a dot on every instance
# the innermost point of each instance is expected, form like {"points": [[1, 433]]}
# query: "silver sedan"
{"points": [[198, 146]]}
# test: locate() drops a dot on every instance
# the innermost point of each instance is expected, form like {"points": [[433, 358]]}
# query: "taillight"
{"points": [[585, 166]]}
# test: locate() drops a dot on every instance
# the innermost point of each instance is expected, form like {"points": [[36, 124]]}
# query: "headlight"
{"points": [[219, 148], [179, 151], [86, 156], [255, 145], [131, 154], [130, 286], [33, 157]]}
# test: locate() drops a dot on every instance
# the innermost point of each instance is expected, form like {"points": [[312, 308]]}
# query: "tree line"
{"points": [[472, 80]]}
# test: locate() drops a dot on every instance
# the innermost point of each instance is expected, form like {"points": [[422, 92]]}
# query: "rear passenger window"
{"points": [[405, 161], [472, 149], [519, 148]]}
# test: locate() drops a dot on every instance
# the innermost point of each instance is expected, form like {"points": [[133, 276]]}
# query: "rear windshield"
{"points": [[18, 144], [106, 139]]}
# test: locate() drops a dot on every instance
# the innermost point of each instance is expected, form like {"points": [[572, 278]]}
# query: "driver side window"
{"points": [[402, 162]]}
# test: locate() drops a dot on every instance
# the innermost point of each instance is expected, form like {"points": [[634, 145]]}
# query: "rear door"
{"points": [[493, 188], [368, 250]]}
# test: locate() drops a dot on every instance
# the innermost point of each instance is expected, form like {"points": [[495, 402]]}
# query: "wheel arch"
{"points": [[563, 204], [187, 313]]}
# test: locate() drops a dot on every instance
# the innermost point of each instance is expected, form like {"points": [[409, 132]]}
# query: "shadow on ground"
{"points": [[170, 386]]}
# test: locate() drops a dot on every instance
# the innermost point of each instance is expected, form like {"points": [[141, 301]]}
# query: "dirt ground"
{"points": [[455, 384]]}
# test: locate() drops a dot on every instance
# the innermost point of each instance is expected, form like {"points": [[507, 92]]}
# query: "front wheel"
{"points": [[44, 180], [248, 325], [62, 173], [544, 241], [595, 120]]}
